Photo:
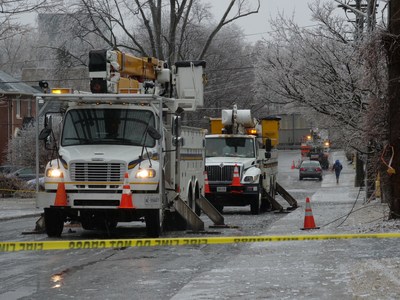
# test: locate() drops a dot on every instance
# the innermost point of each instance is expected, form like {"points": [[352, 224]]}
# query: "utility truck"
{"points": [[123, 141], [316, 146], [242, 162]]}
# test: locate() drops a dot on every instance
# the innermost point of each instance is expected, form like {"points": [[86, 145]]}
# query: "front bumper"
{"points": [[232, 195], [99, 200]]}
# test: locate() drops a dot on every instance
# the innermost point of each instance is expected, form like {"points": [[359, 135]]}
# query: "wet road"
{"points": [[195, 272]]}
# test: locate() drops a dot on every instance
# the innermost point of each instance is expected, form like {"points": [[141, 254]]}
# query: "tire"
{"points": [[192, 203], [256, 202], [265, 204], [197, 196], [320, 179], [154, 223], [54, 222], [300, 178]]}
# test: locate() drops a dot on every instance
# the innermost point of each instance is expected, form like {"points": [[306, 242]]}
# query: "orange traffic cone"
{"points": [[309, 222], [236, 177], [61, 195], [126, 198], [293, 166], [206, 185]]}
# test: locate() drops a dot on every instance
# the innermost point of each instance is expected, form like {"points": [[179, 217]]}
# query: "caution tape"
{"points": [[125, 243]]}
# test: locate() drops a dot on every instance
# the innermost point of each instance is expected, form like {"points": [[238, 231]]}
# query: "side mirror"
{"points": [[153, 133], [176, 126], [268, 145], [44, 134]]}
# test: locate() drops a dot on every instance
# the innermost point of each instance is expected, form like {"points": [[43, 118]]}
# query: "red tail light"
{"points": [[318, 169], [302, 169]]}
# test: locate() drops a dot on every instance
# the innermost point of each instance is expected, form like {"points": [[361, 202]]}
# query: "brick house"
{"points": [[17, 108]]}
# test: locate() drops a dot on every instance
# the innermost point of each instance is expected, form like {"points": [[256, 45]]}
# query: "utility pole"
{"points": [[394, 104]]}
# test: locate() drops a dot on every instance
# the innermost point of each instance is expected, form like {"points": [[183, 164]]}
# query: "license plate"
{"points": [[221, 189]]}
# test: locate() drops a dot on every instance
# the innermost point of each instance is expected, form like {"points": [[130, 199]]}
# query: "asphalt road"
{"points": [[284, 270]]}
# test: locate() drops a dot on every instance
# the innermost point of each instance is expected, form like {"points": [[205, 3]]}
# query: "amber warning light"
{"points": [[252, 131], [62, 91]]}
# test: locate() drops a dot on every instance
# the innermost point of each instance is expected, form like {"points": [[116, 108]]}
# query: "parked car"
{"points": [[310, 169], [32, 183], [7, 169], [24, 173]]}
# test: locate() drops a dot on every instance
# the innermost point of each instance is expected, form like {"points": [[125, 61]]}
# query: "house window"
{"points": [[18, 109]]}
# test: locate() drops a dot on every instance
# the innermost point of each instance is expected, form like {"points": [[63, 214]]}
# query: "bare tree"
{"points": [[12, 9], [317, 69], [155, 27], [334, 80], [20, 151]]}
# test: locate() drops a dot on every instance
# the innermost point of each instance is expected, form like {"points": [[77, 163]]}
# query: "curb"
{"points": [[8, 218]]}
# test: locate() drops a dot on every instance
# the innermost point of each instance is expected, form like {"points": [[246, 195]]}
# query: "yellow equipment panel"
{"points": [[216, 125], [270, 129]]}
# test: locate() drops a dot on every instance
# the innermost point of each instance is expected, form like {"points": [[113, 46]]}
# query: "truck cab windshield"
{"points": [[108, 126], [230, 147]]}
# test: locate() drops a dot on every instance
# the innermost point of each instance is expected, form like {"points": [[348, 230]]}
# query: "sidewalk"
{"points": [[338, 208], [14, 208]]}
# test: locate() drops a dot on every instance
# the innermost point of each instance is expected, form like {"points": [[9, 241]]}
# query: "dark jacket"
{"points": [[337, 167]]}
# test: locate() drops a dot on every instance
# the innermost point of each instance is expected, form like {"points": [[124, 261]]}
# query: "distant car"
{"points": [[32, 183], [310, 169], [7, 169], [24, 173]]}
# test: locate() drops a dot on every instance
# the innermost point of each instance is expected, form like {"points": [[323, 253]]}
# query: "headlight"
{"points": [[146, 173], [251, 179], [54, 173]]}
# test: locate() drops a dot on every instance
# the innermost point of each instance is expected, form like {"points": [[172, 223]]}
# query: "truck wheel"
{"points": [[197, 207], [153, 223], [54, 222], [256, 203]]}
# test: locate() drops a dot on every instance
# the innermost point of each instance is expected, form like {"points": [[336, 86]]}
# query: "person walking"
{"points": [[337, 167]]}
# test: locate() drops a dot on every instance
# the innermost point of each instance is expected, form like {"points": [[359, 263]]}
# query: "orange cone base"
{"points": [[309, 223], [310, 228], [126, 203]]}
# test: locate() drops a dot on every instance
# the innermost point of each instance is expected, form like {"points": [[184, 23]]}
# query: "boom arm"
{"points": [[112, 71]]}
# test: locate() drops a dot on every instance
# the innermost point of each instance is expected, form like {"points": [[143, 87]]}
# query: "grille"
{"points": [[216, 173], [97, 171]]}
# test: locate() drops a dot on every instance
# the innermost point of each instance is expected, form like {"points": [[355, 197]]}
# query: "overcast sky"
{"points": [[256, 26]]}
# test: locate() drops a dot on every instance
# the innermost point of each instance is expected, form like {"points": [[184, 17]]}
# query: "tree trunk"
{"points": [[359, 181], [394, 104]]}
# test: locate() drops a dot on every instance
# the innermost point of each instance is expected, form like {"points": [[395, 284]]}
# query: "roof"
{"points": [[11, 86]]}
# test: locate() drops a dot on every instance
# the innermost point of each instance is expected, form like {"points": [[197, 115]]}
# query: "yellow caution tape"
{"points": [[124, 243]]}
